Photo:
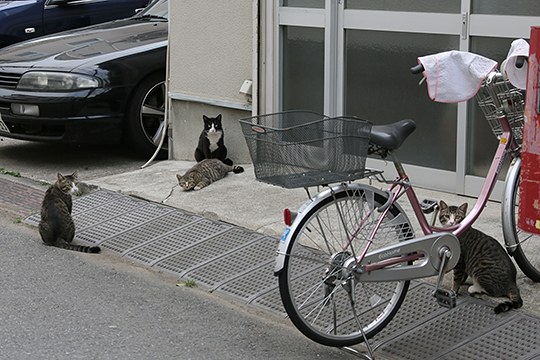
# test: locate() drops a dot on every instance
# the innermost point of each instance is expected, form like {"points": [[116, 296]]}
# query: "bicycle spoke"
{"points": [[318, 285], [522, 241]]}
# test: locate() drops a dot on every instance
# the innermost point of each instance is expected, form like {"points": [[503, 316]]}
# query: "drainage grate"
{"points": [[207, 251], [95, 199], [174, 242], [515, 339], [149, 231], [244, 260], [141, 215], [240, 263], [446, 331], [84, 203], [252, 286], [270, 300], [418, 307], [100, 214]]}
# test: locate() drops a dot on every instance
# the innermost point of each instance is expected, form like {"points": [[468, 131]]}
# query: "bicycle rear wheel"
{"points": [[320, 295], [526, 246]]}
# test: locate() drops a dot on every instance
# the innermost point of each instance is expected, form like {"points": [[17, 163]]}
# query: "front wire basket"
{"points": [[295, 149], [497, 96]]}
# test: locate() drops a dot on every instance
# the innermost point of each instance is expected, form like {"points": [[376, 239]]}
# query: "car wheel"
{"points": [[146, 116]]}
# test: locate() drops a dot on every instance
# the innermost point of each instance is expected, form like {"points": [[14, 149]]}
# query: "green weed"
{"points": [[187, 283], [10, 173]]}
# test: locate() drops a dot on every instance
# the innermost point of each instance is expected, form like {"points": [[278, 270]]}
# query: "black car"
{"points": [[99, 84], [27, 19]]}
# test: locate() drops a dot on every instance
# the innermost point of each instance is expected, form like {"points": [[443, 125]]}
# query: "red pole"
{"points": [[529, 190]]}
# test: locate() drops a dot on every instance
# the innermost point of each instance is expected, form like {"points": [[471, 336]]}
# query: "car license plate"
{"points": [[3, 126]]}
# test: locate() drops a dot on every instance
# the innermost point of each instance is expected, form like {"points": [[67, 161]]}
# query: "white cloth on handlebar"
{"points": [[454, 76], [516, 76]]}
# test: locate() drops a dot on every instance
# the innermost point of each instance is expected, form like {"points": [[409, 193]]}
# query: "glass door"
{"points": [[352, 57]]}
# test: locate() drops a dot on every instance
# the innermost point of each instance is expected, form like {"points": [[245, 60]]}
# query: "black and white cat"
{"points": [[56, 226], [204, 173], [211, 144], [483, 259]]}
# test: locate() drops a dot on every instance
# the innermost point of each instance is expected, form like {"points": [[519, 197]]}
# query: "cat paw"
{"points": [[476, 291]]}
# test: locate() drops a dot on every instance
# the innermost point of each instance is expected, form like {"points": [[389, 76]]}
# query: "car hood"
{"points": [[92, 45]]}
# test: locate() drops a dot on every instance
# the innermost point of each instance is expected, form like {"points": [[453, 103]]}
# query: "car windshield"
{"points": [[158, 9]]}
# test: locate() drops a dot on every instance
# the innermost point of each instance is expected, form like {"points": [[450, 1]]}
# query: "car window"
{"points": [[157, 9]]}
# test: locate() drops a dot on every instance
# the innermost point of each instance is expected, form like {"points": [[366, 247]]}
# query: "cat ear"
{"points": [[442, 205], [60, 176], [463, 207], [205, 118], [218, 118], [75, 174], [179, 177]]}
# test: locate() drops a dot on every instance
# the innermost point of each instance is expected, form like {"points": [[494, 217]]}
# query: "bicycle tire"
{"points": [[312, 292], [521, 245]]}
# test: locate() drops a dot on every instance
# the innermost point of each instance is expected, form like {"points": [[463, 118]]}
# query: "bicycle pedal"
{"points": [[446, 298], [428, 206]]}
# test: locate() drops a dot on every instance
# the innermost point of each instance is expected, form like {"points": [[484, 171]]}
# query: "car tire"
{"points": [[146, 116]]}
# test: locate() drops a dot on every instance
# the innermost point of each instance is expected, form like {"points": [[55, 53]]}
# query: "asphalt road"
{"points": [[58, 304]]}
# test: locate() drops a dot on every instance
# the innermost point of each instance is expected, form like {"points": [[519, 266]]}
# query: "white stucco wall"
{"points": [[211, 54]]}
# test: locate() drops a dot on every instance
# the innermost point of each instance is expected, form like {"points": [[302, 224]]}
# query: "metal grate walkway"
{"points": [[239, 262]]}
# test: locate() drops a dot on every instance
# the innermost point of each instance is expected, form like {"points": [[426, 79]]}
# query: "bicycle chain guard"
{"points": [[378, 265]]}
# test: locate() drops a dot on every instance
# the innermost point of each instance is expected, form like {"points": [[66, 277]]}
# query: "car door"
{"points": [[60, 15], [20, 20]]}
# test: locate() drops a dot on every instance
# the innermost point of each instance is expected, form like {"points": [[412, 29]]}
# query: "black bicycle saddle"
{"points": [[391, 136]]}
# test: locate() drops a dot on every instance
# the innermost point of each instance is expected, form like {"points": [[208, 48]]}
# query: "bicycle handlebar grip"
{"points": [[520, 61], [417, 69]]}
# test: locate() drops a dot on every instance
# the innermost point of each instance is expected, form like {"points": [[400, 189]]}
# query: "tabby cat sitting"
{"points": [[211, 144], [56, 226], [204, 173], [483, 259]]}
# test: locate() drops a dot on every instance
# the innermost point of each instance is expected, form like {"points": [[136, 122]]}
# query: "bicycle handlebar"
{"points": [[417, 69], [520, 61]]}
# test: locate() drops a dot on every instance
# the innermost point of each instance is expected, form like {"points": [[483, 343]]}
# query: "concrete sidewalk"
{"points": [[242, 200], [238, 199]]}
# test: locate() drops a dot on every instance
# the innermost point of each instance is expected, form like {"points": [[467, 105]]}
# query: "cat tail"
{"points": [[515, 302], [237, 169], [79, 248]]}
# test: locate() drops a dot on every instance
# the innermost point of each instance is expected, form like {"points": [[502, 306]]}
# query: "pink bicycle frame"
{"points": [[506, 145]]}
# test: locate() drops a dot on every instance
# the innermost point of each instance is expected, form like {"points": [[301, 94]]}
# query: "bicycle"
{"points": [[348, 254]]}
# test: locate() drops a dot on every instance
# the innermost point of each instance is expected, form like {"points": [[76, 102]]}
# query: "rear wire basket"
{"points": [[295, 149], [496, 96]]}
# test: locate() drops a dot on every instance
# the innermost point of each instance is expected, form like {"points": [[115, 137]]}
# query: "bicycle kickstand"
{"points": [[445, 297]]}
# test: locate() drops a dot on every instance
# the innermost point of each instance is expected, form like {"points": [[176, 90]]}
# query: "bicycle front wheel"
{"points": [[525, 247], [320, 294]]}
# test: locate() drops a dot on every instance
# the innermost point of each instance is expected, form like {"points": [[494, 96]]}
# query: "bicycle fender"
{"points": [[508, 221], [285, 241]]}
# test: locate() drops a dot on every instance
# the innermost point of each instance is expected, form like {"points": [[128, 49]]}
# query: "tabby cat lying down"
{"points": [[204, 173]]}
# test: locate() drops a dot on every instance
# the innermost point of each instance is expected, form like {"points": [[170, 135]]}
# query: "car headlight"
{"points": [[56, 81]]}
